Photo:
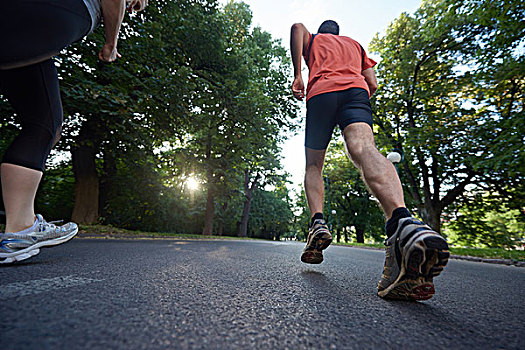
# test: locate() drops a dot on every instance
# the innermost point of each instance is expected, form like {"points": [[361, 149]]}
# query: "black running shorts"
{"points": [[326, 110]]}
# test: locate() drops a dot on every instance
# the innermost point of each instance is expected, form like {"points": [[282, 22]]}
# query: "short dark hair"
{"points": [[329, 26]]}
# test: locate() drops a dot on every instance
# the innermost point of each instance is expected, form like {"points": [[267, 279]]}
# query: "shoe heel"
{"points": [[324, 242], [435, 242], [413, 264], [312, 257], [437, 256]]}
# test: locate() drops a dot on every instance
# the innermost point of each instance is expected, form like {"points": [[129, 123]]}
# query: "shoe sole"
{"points": [[320, 242], [34, 249], [20, 257], [425, 259]]}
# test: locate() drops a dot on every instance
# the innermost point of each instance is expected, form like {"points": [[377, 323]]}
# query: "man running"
{"points": [[341, 81]]}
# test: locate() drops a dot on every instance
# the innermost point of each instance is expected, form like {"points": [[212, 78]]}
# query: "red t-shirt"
{"points": [[335, 63]]}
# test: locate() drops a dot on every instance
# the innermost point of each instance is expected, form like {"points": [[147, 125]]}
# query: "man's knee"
{"points": [[360, 150], [314, 160], [359, 141], [314, 167]]}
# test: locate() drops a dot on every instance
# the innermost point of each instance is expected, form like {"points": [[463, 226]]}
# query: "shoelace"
{"points": [[51, 224], [54, 221]]}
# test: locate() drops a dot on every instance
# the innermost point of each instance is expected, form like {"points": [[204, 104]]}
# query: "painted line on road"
{"points": [[21, 289]]}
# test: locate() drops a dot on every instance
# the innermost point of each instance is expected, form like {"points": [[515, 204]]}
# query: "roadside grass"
{"points": [[106, 231], [486, 253], [361, 245], [490, 253]]}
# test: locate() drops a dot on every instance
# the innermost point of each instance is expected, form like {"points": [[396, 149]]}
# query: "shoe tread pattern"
{"points": [[319, 239], [424, 259]]}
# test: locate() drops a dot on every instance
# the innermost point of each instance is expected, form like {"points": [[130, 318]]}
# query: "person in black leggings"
{"points": [[31, 33]]}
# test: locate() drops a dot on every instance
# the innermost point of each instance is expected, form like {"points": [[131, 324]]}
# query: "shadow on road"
{"points": [[424, 313], [313, 274], [316, 278]]}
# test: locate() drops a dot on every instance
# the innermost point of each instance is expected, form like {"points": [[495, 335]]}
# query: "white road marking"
{"points": [[20, 289]]}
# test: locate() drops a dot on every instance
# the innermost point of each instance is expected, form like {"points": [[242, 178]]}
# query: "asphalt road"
{"points": [[171, 294]]}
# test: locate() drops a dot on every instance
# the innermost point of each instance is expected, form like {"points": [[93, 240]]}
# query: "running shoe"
{"points": [[24, 244], [415, 254], [319, 238]]}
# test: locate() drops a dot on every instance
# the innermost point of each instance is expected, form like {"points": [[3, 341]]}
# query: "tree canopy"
{"points": [[201, 94], [451, 98]]}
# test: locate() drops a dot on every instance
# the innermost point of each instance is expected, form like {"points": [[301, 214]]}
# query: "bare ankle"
{"points": [[12, 227]]}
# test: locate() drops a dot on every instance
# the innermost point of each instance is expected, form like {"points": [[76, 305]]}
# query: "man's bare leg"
{"points": [[424, 253], [378, 172], [319, 237], [313, 180]]}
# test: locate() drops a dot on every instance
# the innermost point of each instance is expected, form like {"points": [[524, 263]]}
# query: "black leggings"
{"points": [[33, 30], [33, 92]]}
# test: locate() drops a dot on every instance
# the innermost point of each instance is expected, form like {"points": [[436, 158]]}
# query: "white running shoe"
{"points": [[18, 246]]}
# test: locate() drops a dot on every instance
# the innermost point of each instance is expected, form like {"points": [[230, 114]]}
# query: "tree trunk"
{"points": [[220, 228], [210, 212], [432, 217], [85, 209], [243, 228], [338, 235], [248, 195], [210, 206], [360, 234], [106, 182], [345, 234]]}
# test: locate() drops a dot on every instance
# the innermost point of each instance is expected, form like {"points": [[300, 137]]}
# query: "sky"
{"points": [[360, 20]]}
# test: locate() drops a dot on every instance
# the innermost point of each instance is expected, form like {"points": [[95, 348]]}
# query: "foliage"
{"points": [[490, 253], [55, 194], [486, 222], [451, 98], [271, 215]]}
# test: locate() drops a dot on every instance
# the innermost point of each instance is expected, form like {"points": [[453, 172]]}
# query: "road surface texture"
{"points": [[181, 294]]}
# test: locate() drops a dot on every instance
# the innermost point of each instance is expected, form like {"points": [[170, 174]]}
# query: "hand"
{"points": [[136, 5], [298, 88], [108, 53]]}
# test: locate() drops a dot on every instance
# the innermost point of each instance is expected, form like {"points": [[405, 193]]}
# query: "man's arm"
{"points": [[370, 78], [113, 14], [298, 42]]}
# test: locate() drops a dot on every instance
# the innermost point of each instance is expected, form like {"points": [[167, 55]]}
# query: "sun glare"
{"points": [[192, 184]]}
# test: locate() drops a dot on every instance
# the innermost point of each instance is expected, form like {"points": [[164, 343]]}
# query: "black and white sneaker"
{"points": [[319, 238], [415, 254]]}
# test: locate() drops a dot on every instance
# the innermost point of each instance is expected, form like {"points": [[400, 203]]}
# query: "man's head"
{"points": [[329, 27]]}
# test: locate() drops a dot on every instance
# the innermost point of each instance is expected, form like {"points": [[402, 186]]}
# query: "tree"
{"points": [[127, 108], [243, 100], [272, 214], [434, 108]]}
